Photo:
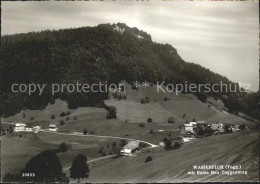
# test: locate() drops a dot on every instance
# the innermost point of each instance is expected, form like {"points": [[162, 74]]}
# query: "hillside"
{"points": [[172, 166], [107, 52]]}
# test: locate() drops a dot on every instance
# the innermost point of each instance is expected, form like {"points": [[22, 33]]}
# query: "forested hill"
{"points": [[96, 54]]}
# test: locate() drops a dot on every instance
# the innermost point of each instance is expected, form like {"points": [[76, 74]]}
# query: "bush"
{"points": [[67, 118], [168, 145], [111, 112], [124, 97], [147, 99], [148, 159], [31, 118], [63, 147], [104, 154], [183, 116], [62, 114], [142, 101], [166, 99], [62, 122], [68, 113], [75, 118], [119, 97], [85, 132], [149, 120], [151, 132], [176, 145], [92, 132], [100, 150], [115, 95], [53, 116], [171, 120], [141, 125], [242, 127]]}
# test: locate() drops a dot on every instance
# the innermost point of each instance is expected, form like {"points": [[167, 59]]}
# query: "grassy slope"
{"points": [[160, 110], [172, 166]]}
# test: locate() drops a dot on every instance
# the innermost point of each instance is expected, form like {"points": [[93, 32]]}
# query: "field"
{"points": [[173, 166]]}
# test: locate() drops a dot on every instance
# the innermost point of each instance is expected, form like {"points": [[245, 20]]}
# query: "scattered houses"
{"points": [[19, 127]]}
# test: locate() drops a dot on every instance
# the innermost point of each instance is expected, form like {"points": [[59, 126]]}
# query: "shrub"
{"points": [[31, 118], [68, 113], [147, 99], [149, 120], [115, 95], [100, 150], [141, 125], [166, 99], [183, 116], [142, 101], [67, 118], [92, 132], [53, 116], [85, 132], [124, 97], [62, 114], [176, 145], [111, 112], [151, 132], [242, 127], [171, 120], [170, 134], [168, 145], [62, 122], [63, 147], [119, 97], [148, 159], [104, 154], [75, 118]]}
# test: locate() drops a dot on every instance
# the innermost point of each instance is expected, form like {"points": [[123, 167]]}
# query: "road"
{"points": [[101, 136]]}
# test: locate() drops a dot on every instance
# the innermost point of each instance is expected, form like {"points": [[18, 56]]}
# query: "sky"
{"points": [[220, 35]]}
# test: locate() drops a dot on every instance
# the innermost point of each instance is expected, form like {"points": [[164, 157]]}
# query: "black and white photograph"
{"points": [[128, 91]]}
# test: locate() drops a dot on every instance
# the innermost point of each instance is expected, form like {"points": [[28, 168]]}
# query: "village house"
{"points": [[19, 127], [53, 127], [218, 128], [236, 128], [186, 136], [190, 126], [129, 148]]}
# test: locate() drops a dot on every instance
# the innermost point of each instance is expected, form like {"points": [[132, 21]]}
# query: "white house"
{"points": [[53, 127], [190, 126], [129, 148], [19, 127], [36, 129]]}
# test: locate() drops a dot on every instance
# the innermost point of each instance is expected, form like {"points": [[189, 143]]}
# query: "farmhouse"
{"points": [[53, 127], [186, 136], [129, 148], [190, 126], [235, 128], [218, 127], [19, 127]]}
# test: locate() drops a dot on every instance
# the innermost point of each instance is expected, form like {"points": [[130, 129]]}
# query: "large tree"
{"points": [[79, 168], [45, 167]]}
